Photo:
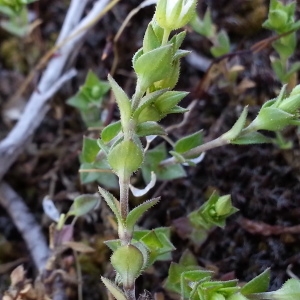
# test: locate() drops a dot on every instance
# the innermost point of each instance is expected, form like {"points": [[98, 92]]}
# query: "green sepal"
{"points": [[112, 202], [150, 41], [135, 214], [149, 113], [122, 101], [177, 110], [110, 131], [90, 149], [83, 204], [258, 284], [113, 289], [251, 138], [273, 119], [126, 157], [153, 65], [177, 39], [237, 128], [158, 243], [180, 54], [113, 244], [147, 100], [169, 100], [189, 142], [150, 128], [128, 261]]}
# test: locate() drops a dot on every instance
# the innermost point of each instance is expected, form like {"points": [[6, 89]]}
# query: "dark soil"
{"points": [[262, 179]]}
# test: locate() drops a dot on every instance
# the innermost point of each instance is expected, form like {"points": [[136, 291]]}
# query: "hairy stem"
{"points": [[165, 37], [196, 151]]}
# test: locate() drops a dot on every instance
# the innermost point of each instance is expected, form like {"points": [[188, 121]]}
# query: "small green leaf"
{"points": [[90, 150], [251, 138], [169, 100], [188, 259], [223, 45], [83, 204], [113, 244], [112, 202], [147, 100], [204, 27], [110, 131], [237, 128], [150, 128], [258, 284], [151, 40], [153, 65], [122, 101], [136, 213], [114, 290], [189, 142]]}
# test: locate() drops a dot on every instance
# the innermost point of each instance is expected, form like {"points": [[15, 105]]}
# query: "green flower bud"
{"points": [[128, 262], [223, 205], [174, 14], [278, 19]]}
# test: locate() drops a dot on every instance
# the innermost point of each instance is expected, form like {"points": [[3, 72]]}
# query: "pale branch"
{"points": [[26, 225], [36, 108]]}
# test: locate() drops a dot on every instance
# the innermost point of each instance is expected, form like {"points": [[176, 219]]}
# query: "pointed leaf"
{"points": [[122, 101], [150, 128], [114, 290], [110, 131], [237, 127], [135, 214], [90, 149], [147, 101], [153, 65], [251, 138], [83, 204], [169, 100], [112, 202], [258, 284], [189, 142]]}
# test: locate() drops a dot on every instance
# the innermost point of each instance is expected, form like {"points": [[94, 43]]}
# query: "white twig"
{"points": [[26, 224], [36, 108]]}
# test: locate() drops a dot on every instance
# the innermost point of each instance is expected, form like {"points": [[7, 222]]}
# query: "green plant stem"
{"points": [[136, 98], [218, 142], [124, 192], [165, 37]]}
